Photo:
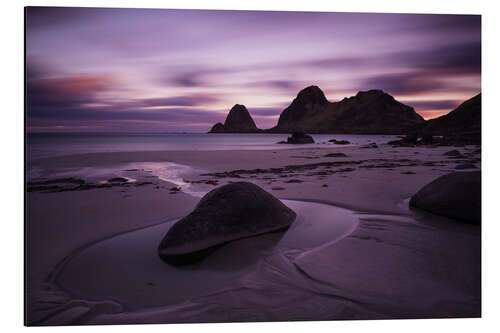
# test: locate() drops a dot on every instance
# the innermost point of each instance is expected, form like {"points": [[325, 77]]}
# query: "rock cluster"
{"points": [[298, 138]]}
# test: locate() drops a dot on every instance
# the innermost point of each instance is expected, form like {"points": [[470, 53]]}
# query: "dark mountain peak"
{"points": [[309, 100], [217, 128], [371, 111], [237, 121], [472, 105], [464, 122], [237, 108], [311, 94], [372, 94]]}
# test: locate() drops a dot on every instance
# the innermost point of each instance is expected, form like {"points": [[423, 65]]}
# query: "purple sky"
{"points": [[97, 69]]}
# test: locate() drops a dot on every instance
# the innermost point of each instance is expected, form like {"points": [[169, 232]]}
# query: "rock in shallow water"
{"points": [[298, 138], [456, 195], [227, 213]]}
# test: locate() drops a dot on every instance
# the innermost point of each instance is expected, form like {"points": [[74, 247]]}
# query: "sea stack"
{"points": [[299, 138], [227, 213], [299, 114], [237, 121]]}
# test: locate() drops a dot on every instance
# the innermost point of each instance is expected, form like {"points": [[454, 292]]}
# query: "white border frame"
{"points": [[12, 194]]}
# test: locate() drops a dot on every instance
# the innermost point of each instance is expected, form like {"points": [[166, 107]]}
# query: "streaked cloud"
{"points": [[112, 68]]}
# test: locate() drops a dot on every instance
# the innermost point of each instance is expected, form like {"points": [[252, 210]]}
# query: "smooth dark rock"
{"points": [[227, 213], [428, 139], [415, 139], [294, 181], [298, 138], [339, 142], [456, 195], [335, 155]]}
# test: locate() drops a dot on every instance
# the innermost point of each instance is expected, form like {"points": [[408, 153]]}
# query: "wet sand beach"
{"points": [[94, 216]]}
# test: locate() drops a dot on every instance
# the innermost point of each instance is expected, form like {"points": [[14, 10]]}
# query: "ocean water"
{"points": [[58, 144]]}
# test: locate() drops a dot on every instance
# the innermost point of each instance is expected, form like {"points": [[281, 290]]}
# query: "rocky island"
{"points": [[368, 112], [237, 121]]}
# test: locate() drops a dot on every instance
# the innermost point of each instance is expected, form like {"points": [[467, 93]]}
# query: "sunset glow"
{"points": [[96, 69]]}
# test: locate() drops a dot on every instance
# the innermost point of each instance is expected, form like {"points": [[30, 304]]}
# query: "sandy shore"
{"points": [[396, 263]]}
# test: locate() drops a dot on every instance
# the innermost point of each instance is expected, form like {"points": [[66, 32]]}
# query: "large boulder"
{"points": [[227, 213], [339, 142], [456, 195]]}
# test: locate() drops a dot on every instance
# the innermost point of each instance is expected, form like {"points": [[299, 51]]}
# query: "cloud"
{"points": [[83, 116], [270, 111], [427, 70], [38, 67], [463, 58], [407, 83], [192, 100], [189, 79], [443, 24], [433, 105], [285, 85], [198, 77], [66, 91], [47, 17], [339, 62]]}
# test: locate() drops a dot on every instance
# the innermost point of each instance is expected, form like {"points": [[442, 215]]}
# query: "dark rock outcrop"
{"points": [[218, 128], [460, 125], [237, 121], [415, 139], [456, 195], [227, 213], [453, 153], [297, 116], [369, 146], [339, 142], [298, 138], [368, 112]]}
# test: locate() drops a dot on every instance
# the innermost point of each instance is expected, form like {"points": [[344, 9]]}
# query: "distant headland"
{"points": [[368, 112]]}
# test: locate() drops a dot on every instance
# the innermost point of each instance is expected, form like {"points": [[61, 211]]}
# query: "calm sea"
{"points": [[57, 144]]}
